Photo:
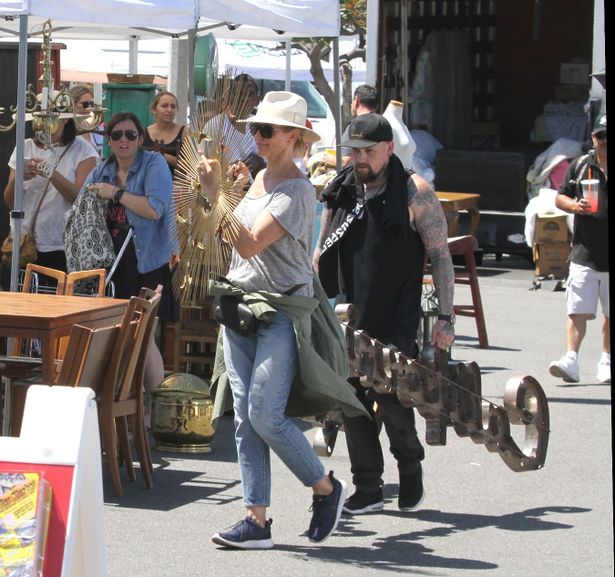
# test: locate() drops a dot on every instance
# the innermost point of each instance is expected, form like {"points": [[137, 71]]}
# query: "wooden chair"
{"points": [[111, 361], [466, 246], [108, 360], [121, 397], [82, 283], [33, 282], [142, 442], [88, 354], [192, 341], [76, 280], [20, 361], [32, 279]]}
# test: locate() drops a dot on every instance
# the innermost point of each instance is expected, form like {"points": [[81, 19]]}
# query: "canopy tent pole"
{"points": [[373, 6], [178, 76], [288, 63], [191, 93], [337, 113], [17, 213], [133, 55]]}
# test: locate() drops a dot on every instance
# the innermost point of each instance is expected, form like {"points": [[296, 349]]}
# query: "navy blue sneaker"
{"points": [[326, 511], [246, 534]]}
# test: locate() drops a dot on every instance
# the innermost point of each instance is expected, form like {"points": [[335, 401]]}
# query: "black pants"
{"points": [[362, 434]]}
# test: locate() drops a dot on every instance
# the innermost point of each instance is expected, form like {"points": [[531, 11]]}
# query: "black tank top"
{"points": [[381, 273], [165, 148]]}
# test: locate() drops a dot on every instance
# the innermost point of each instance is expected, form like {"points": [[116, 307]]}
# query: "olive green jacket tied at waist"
{"points": [[320, 384]]}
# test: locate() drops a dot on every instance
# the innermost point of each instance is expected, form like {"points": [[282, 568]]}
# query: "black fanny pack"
{"points": [[234, 314]]}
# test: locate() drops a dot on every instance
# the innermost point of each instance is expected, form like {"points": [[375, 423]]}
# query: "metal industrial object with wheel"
{"points": [[447, 393]]}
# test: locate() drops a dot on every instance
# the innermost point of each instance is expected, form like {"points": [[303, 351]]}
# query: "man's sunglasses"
{"points": [[601, 135], [266, 130], [87, 104], [131, 135]]}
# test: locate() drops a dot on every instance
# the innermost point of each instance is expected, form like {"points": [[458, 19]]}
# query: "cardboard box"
{"points": [[551, 258], [550, 228], [130, 78]]}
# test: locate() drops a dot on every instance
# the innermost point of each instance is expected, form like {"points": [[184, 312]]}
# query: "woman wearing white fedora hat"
{"points": [[271, 254]]}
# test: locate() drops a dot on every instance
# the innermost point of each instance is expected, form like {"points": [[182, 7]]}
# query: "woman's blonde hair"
{"points": [[299, 146], [78, 90]]}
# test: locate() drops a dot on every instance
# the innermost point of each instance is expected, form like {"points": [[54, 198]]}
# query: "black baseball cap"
{"points": [[366, 130], [600, 124]]}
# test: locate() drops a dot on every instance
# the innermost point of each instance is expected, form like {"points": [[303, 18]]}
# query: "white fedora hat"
{"points": [[284, 109]]}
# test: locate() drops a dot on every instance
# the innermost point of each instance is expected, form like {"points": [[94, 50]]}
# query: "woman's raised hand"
{"points": [[209, 172], [239, 173]]}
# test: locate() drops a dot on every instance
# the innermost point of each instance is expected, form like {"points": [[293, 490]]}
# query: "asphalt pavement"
{"points": [[479, 517]]}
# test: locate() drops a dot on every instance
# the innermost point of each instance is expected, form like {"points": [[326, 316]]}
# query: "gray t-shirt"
{"points": [[286, 262]]}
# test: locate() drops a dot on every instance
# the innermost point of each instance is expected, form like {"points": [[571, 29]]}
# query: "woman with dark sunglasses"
{"points": [[137, 186], [83, 99], [271, 256]]}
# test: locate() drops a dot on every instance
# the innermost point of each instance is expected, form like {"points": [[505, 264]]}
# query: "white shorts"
{"points": [[585, 287]]}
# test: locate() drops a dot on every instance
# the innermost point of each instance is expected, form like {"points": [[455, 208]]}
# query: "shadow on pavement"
{"points": [[387, 555]]}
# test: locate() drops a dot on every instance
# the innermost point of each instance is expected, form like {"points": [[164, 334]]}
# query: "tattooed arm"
{"points": [[325, 228], [427, 217]]}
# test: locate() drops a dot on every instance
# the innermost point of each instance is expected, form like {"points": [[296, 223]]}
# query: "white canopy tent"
{"points": [[129, 19], [261, 60], [115, 19]]}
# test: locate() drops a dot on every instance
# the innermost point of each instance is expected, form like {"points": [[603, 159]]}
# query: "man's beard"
{"points": [[366, 175]]}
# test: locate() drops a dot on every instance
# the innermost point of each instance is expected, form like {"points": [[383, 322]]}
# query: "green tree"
{"points": [[353, 16]]}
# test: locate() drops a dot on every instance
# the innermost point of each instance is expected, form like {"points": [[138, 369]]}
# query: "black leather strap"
{"points": [[117, 195]]}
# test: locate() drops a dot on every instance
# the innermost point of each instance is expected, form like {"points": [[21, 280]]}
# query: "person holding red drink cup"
{"points": [[584, 193]]}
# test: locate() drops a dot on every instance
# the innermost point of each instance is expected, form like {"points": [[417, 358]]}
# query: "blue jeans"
{"points": [[261, 370]]}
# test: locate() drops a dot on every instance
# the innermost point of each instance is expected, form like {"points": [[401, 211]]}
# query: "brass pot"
{"points": [[181, 420]]}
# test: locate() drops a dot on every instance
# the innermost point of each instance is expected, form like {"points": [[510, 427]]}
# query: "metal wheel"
{"points": [[325, 437]]}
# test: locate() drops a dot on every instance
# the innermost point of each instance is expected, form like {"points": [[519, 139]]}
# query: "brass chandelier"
{"points": [[47, 107]]}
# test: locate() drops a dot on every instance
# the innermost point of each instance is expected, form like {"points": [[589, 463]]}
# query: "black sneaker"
{"points": [[327, 510], [247, 534], [363, 502], [411, 492]]}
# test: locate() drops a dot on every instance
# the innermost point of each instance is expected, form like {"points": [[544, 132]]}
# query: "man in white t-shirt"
{"points": [[238, 103]]}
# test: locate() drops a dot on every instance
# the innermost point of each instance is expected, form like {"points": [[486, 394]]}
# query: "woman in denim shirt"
{"points": [[137, 183]]}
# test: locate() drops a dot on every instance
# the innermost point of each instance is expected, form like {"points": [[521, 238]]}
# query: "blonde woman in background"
{"points": [[83, 99], [165, 135]]}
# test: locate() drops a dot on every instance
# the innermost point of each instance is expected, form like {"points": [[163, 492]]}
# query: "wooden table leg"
{"points": [[474, 215], [48, 356], [453, 223]]}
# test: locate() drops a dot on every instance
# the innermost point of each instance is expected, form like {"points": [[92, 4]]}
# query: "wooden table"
{"points": [[453, 202], [49, 317]]}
